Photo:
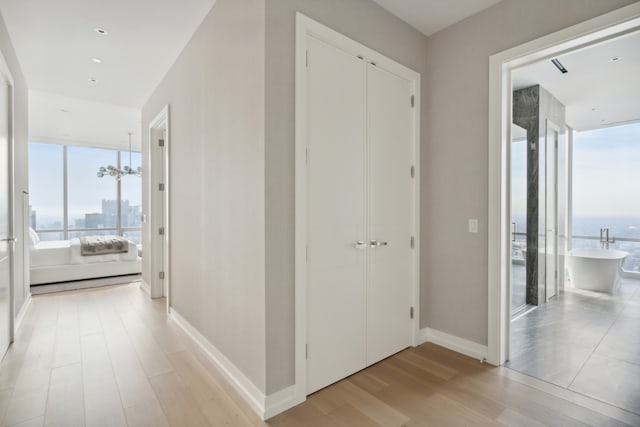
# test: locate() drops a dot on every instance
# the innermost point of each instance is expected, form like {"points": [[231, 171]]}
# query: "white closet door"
{"points": [[336, 214], [390, 211]]}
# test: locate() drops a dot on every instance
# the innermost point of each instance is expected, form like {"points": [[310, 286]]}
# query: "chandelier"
{"points": [[119, 173]]}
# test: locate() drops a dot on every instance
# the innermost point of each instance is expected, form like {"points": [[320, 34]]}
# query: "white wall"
{"points": [[21, 177], [455, 157], [216, 94]]}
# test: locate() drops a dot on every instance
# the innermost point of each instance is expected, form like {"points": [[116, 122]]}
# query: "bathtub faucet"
{"points": [[604, 238]]}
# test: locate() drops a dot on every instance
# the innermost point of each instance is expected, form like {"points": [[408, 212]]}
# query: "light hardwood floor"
{"points": [[110, 357]]}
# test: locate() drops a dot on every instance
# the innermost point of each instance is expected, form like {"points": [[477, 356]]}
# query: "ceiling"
{"points": [[55, 41], [597, 90], [60, 119], [431, 16]]}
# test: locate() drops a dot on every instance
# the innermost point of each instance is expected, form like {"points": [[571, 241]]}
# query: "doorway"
{"points": [[159, 231], [580, 36]]}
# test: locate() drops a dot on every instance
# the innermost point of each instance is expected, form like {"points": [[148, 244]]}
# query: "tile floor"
{"points": [[584, 341]]}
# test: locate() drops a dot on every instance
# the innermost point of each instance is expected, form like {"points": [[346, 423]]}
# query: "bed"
{"points": [[63, 260]]}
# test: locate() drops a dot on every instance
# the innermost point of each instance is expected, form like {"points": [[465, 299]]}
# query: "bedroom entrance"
{"points": [[159, 202], [85, 194]]}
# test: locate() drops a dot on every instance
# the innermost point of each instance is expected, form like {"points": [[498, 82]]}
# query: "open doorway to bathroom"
{"points": [[575, 221]]}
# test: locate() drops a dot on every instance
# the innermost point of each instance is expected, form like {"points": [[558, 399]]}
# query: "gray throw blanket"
{"points": [[102, 245]]}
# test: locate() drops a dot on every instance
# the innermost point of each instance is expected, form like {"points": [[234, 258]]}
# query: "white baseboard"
{"points": [[280, 401], [145, 287], [452, 342], [265, 406], [22, 312]]}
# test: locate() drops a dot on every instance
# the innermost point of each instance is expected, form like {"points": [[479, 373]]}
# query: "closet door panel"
{"points": [[336, 221], [390, 211]]}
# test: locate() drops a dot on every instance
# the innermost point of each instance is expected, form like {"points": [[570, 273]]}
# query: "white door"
{"points": [[389, 273], [6, 229], [360, 208], [336, 206], [551, 214]]}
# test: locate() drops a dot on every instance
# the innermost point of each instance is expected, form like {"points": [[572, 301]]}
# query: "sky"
{"points": [[606, 172]]}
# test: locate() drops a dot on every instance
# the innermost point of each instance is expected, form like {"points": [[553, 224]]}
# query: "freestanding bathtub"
{"points": [[595, 269]]}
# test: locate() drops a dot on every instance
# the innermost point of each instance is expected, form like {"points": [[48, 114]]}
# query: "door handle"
{"points": [[376, 243], [9, 239], [360, 244]]}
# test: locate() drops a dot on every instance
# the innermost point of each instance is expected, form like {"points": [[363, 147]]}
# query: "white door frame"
{"points": [[593, 31], [159, 205], [11, 231], [304, 27]]}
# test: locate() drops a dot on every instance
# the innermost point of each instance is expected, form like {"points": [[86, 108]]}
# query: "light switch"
{"points": [[473, 226]]}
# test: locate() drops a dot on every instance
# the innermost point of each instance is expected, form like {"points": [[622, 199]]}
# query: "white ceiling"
{"points": [[596, 91], [55, 41], [56, 118], [431, 16]]}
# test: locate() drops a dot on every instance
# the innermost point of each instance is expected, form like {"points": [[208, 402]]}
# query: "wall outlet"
{"points": [[473, 226]]}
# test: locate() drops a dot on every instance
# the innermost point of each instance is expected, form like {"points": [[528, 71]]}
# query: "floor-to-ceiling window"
{"points": [[68, 199], [606, 173]]}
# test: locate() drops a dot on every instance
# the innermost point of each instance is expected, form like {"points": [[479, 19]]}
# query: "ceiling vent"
{"points": [[559, 66]]}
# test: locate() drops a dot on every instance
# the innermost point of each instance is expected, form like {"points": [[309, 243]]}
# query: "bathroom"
{"points": [[575, 216]]}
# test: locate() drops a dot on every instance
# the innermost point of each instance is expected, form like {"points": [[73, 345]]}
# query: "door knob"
{"points": [[361, 244], [9, 239], [376, 243]]}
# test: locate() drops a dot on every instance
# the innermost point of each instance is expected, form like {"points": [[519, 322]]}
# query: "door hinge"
{"points": [[161, 143], [161, 275], [413, 101], [556, 273], [411, 312], [160, 187], [412, 242], [413, 172], [161, 231]]}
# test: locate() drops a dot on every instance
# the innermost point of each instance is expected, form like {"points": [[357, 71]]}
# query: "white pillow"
{"points": [[34, 239]]}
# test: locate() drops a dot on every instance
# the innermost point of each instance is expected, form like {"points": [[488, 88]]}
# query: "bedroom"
{"points": [[84, 186]]}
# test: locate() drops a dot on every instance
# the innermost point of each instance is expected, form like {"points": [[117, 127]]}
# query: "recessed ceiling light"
{"points": [[93, 80], [96, 60], [616, 58], [101, 31]]}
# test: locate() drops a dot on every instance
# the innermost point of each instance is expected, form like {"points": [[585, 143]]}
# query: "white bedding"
{"points": [[68, 252], [55, 252]]}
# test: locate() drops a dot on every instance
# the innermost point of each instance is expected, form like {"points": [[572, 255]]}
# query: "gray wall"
{"points": [[216, 94], [455, 156], [21, 176], [367, 23]]}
